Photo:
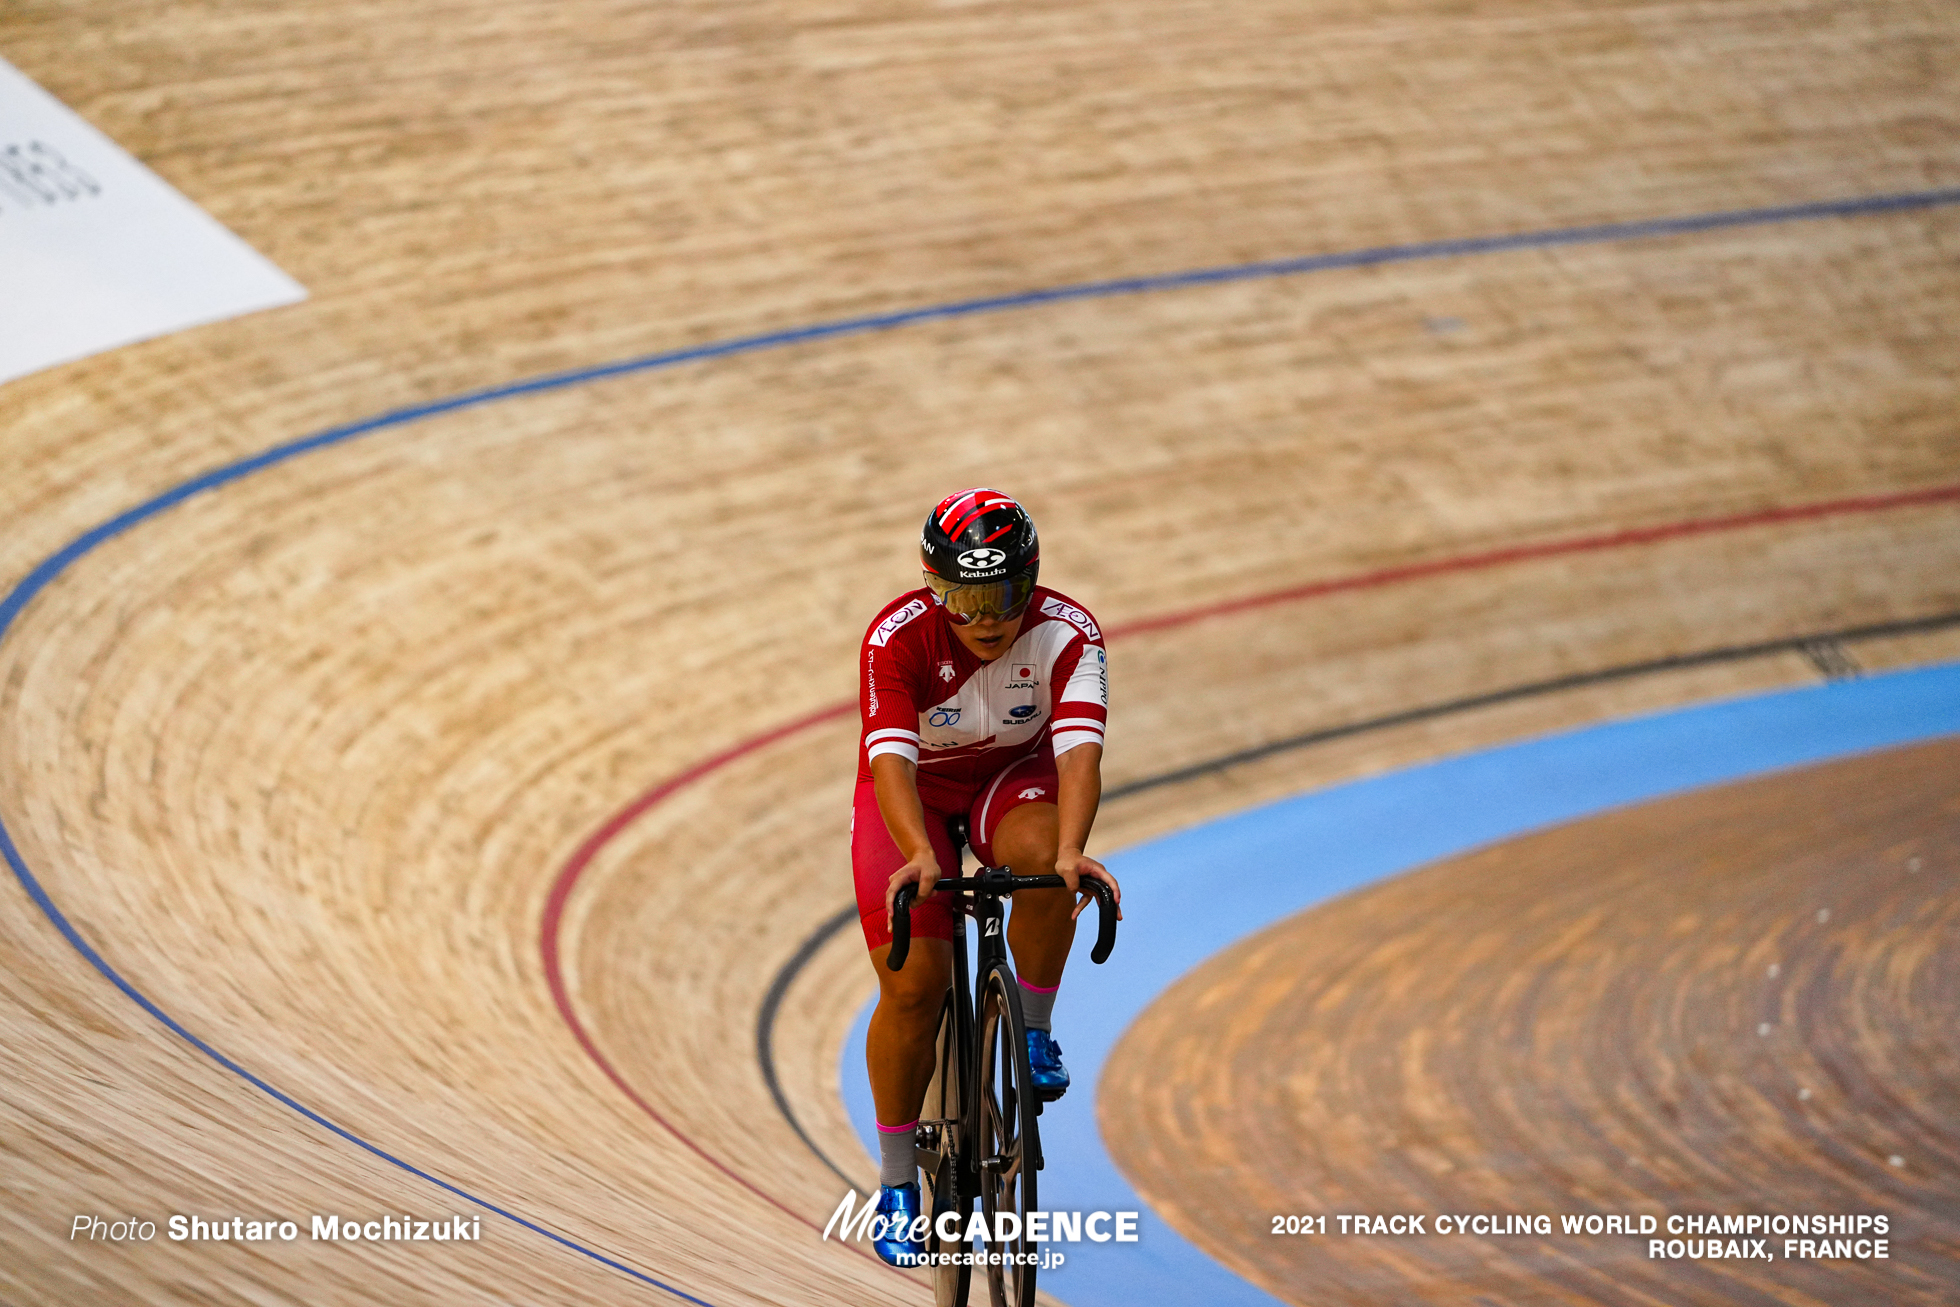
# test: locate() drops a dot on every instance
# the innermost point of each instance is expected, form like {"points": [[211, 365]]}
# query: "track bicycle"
{"points": [[977, 1134]]}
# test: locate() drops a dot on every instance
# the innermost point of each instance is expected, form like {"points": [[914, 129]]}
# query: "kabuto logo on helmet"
{"points": [[979, 535]]}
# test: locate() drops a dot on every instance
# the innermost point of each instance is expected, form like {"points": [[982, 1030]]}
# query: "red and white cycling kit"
{"points": [[985, 735]]}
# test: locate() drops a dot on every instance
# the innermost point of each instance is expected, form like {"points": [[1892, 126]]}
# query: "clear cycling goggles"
{"points": [[998, 600]]}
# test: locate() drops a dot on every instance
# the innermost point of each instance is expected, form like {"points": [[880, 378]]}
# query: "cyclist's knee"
{"points": [[915, 993], [1040, 862], [912, 1005], [1028, 858], [1043, 903], [1026, 839]]}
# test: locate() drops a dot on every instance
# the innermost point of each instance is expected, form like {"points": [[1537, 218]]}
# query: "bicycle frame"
{"points": [[982, 896]]}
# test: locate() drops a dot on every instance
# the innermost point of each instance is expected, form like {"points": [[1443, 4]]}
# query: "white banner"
{"points": [[98, 251]]}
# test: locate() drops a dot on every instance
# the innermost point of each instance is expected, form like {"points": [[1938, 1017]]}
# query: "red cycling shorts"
{"points": [[874, 857]]}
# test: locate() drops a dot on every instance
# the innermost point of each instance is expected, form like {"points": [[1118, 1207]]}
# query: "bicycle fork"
{"points": [[990, 916]]}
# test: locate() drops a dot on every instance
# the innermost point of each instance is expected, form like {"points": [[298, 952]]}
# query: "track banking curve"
{"points": [[569, 875], [790, 970], [44, 574]]}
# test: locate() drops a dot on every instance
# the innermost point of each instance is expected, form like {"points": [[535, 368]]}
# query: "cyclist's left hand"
{"points": [[1072, 865]]}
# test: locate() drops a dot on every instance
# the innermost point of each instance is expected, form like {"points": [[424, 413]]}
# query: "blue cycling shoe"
{"points": [[898, 1209], [1045, 1061]]}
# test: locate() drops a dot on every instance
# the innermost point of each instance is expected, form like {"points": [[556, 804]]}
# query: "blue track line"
{"points": [[55, 564], [95, 960]]}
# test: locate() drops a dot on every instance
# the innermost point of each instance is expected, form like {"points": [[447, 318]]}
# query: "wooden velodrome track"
{"points": [[307, 758], [1730, 1001]]}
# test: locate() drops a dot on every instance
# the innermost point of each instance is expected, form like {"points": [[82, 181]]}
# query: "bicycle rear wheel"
{"points": [[942, 1132], [1007, 1139]]}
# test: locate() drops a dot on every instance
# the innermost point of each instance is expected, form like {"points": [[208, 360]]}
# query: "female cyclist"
{"points": [[986, 694]]}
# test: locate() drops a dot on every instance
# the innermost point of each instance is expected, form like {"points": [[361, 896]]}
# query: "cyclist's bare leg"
{"points": [[899, 1047], [1039, 930]]}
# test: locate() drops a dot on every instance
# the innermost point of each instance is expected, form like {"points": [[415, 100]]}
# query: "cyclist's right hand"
{"points": [[922, 871]]}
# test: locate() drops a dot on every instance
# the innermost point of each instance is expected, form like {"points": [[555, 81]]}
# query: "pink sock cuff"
{"points": [[1038, 989], [898, 1129]]}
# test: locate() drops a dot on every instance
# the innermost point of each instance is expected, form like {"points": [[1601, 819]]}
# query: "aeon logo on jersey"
{"points": [[889, 627], [1071, 614], [982, 560]]}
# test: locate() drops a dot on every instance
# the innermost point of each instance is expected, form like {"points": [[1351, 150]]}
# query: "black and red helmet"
{"points": [[981, 554]]}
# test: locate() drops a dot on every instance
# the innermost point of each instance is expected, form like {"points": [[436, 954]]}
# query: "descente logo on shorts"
{"points": [[1071, 614], [889, 627]]}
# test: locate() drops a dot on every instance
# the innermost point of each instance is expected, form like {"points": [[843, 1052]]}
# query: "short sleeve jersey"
{"points": [[923, 695]]}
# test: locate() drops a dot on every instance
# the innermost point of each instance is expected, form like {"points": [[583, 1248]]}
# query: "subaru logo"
{"points": [[982, 560]]}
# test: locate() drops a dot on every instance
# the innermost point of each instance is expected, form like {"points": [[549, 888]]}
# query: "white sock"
{"points": [[1037, 1005], [899, 1163]]}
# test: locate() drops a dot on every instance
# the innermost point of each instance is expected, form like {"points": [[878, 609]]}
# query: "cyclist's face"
{"points": [[988, 638]]}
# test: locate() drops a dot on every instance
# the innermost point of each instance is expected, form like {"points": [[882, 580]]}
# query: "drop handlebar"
{"points": [[998, 882]]}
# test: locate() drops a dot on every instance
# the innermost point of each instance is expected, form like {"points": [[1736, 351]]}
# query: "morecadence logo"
{"points": [[1009, 1240]]}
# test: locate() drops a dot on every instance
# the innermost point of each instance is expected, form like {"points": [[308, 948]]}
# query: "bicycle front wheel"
{"points": [[942, 1145], [1008, 1141]]}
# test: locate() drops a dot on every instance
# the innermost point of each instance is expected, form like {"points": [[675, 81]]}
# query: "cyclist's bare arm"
{"points": [[895, 780], [1078, 774]]}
